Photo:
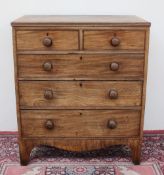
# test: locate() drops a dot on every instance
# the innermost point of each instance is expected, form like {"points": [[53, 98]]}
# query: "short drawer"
{"points": [[47, 40], [83, 67], [79, 94], [114, 40], [80, 123]]}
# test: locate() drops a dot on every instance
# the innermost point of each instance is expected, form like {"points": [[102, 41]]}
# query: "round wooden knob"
{"points": [[47, 66], [47, 41], [115, 41], [112, 124], [114, 66], [48, 94], [49, 124], [113, 94]]}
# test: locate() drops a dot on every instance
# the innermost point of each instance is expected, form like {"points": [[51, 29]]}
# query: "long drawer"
{"points": [[114, 40], [79, 94], [45, 40], [84, 67], [80, 123]]}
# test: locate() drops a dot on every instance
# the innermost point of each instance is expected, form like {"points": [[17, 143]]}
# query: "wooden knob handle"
{"points": [[115, 41], [47, 66], [112, 124], [49, 124], [47, 41], [48, 94], [114, 66], [113, 94]]}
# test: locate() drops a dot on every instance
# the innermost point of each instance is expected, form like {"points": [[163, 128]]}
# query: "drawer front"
{"points": [[79, 94], [91, 67], [47, 40], [114, 40], [80, 123]]}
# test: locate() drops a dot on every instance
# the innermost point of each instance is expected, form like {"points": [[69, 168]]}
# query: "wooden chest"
{"points": [[80, 82]]}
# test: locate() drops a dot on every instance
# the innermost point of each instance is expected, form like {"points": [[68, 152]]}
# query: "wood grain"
{"points": [[78, 145], [80, 123], [61, 40], [83, 67], [72, 96], [100, 40], [16, 81], [144, 84], [78, 95], [98, 20]]}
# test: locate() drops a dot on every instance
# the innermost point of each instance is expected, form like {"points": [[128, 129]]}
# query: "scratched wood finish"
{"points": [[87, 123], [78, 94], [61, 40], [84, 67], [101, 40], [80, 80]]}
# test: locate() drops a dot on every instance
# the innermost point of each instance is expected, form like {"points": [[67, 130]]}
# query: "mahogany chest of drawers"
{"points": [[80, 82]]}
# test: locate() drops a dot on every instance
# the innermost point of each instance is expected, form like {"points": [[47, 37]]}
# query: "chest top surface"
{"points": [[110, 20]]}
